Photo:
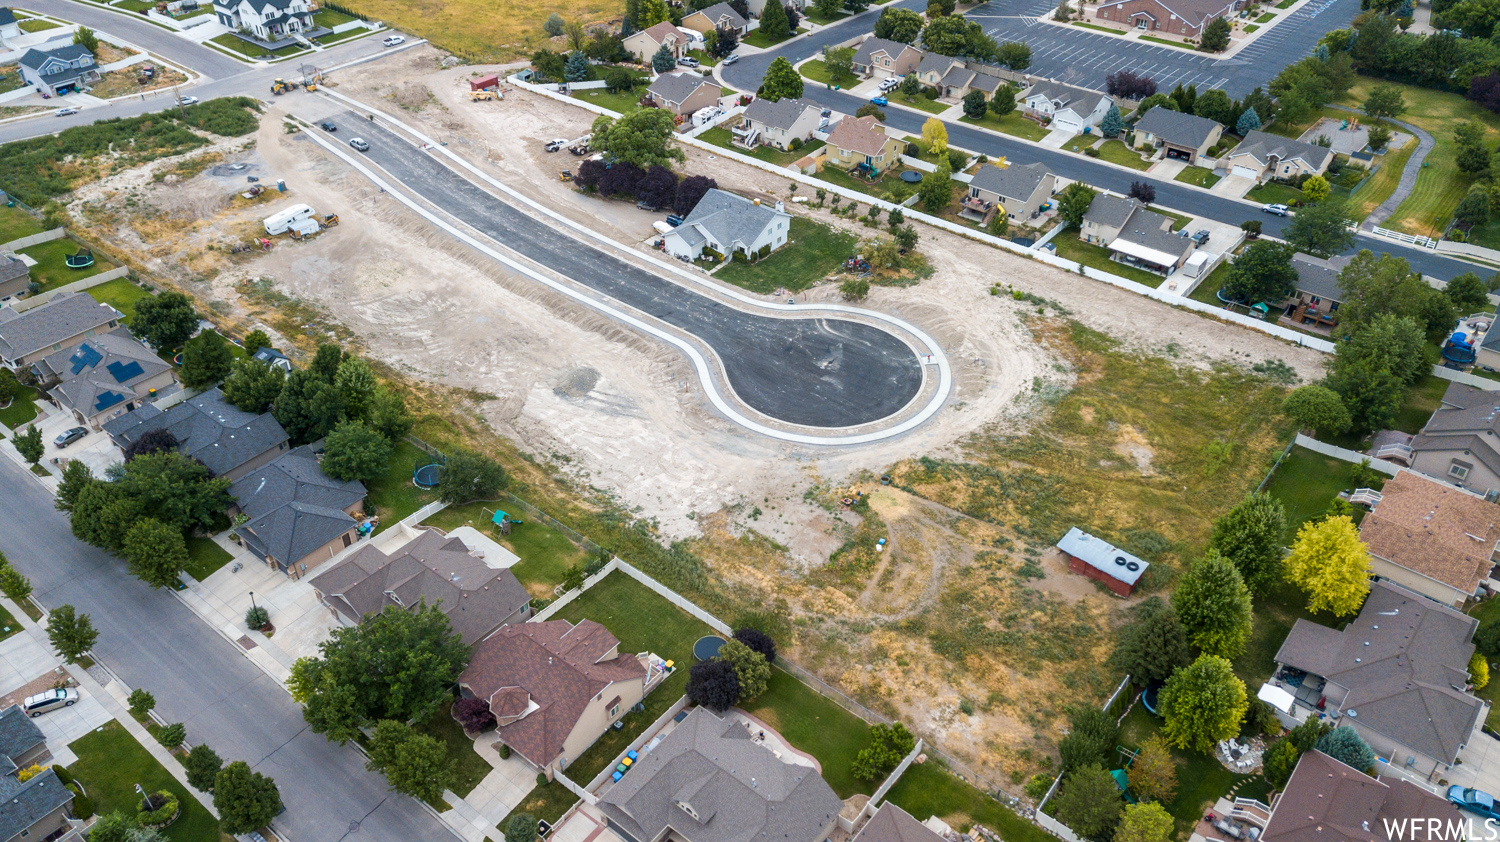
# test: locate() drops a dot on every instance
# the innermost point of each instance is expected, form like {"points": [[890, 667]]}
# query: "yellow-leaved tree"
{"points": [[935, 136], [1330, 562]]}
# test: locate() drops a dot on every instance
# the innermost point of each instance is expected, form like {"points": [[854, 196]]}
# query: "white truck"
{"points": [[283, 220]]}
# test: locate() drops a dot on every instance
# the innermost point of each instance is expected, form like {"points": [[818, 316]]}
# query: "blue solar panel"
{"points": [[124, 372], [107, 400], [85, 357]]}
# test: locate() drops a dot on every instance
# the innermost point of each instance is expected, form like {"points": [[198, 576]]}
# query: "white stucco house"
{"points": [[727, 223], [268, 20], [1068, 107]]}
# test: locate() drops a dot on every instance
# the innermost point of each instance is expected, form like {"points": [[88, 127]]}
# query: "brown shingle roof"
{"points": [[864, 135], [660, 31], [1432, 529], [559, 666], [1327, 801]]}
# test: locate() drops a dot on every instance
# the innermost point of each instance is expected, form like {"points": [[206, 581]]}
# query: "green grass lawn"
{"points": [[8, 624], [813, 15], [1266, 18], [1178, 44], [38, 25], [1485, 612], [1272, 193], [1421, 401], [880, 188], [1382, 183], [931, 790], [817, 71], [1116, 152], [468, 766], [1206, 289], [1251, 28], [111, 762], [392, 495], [1097, 28], [328, 18], [546, 554], [623, 102], [1200, 779], [759, 39], [1198, 176], [1077, 143], [547, 802], [51, 269], [813, 250], [721, 136], [1306, 484], [1071, 247], [813, 723], [120, 294], [919, 102], [205, 557], [21, 410], [16, 223], [233, 43], [1012, 124]]}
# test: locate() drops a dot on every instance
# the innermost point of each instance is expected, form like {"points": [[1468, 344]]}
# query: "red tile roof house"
{"points": [[555, 687], [1179, 17]]}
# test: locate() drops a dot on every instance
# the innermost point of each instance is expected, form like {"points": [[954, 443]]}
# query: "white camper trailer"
{"points": [[282, 221]]}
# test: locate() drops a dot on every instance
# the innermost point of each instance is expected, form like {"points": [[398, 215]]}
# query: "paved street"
{"points": [[151, 640]]}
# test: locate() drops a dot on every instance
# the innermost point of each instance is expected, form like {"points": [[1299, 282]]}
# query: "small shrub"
{"points": [[157, 810], [474, 715], [83, 807], [503, 751], [172, 735], [257, 617], [1091, 152], [966, 707]]}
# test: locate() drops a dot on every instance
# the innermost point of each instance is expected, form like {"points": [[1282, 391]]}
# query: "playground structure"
{"points": [[503, 521], [1458, 350], [81, 259]]}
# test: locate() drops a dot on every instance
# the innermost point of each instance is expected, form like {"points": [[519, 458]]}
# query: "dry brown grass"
{"points": [[485, 32]]}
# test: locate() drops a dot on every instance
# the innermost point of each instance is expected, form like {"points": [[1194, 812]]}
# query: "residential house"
{"points": [[758, 7], [1066, 106], [646, 43], [1487, 349], [1101, 561], [271, 21], [9, 26], [1135, 236], [710, 780], [299, 517], [1179, 17], [555, 687], [718, 17], [1261, 156], [1398, 674], [65, 321], [478, 594], [228, 441], [1186, 137], [21, 742], [1433, 538], [60, 70], [860, 143], [1317, 295], [934, 67], [1459, 444], [729, 224], [1018, 191], [15, 276], [955, 77], [986, 83], [893, 824], [104, 377], [778, 123], [880, 58], [37, 809], [684, 92]]}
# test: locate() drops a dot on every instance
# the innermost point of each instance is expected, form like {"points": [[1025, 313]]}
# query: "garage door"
{"points": [[1245, 172], [1070, 125]]}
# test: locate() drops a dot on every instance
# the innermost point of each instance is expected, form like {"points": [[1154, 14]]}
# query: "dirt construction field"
{"points": [[622, 413]]}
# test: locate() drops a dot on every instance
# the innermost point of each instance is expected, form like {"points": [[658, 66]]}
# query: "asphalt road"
{"points": [[153, 641], [138, 30], [823, 373]]}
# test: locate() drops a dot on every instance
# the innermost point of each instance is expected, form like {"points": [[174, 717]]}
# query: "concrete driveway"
{"points": [[95, 449], [1479, 764], [1056, 138], [27, 659], [1233, 186], [475, 816]]}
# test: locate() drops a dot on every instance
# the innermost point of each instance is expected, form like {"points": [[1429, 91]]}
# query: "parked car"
{"points": [[359, 143], [1474, 801], [186, 100], [50, 700], [880, 100], [555, 144], [1278, 209], [1200, 237], [889, 84], [70, 436], [394, 40], [674, 220], [731, 58], [688, 61], [328, 126], [63, 112]]}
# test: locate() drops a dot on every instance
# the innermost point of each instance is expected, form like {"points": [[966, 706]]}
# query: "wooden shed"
{"points": [[1101, 561]]}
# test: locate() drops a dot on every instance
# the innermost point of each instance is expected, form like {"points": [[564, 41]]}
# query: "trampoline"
{"points": [[81, 259], [427, 476], [911, 176], [1148, 698], [1458, 349], [707, 647]]}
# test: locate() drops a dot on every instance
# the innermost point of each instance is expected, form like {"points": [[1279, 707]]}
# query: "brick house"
{"points": [[1178, 17]]}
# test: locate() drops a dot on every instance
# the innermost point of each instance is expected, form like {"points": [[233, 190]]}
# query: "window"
{"points": [[1458, 471], [614, 711]]}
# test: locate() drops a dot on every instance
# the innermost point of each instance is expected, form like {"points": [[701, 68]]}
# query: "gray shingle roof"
{"points": [[1017, 182], [1154, 231], [1194, 12], [207, 428], [34, 58], [294, 507], [1081, 100], [729, 218], [780, 114], [22, 805], [6, 17], [1263, 147], [719, 12], [738, 789], [1177, 128], [12, 268], [55, 322], [936, 63], [865, 54], [18, 735], [103, 372], [985, 82], [957, 77], [1317, 276], [1404, 661], [1492, 337], [677, 87], [1110, 211], [893, 824]]}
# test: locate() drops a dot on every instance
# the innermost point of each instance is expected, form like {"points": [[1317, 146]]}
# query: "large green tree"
{"points": [[1090, 740], [1213, 604], [1074, 201], [1215, 36], [413, 763], [1318, 408], [1373, 286], [1148, 822], [750, 667], [155, 552], [388, 414], [166, 321], [309, 406], [1323, 229], [1468, 292], [252, 385], [954, 36], [1281, 758], [202, 765], [356, 384], [1089, 802], [354, 451], [246, 800], [936, 189], [74, 478], [1330, 563], [29, 444], [1345, 745], [1153, 774], [1202, 704], [1015, 55], [468, 476], [71, 634], [175, 489], [206, 360], [1250, 535], [782, 81], [773, 22], [644, 138], [895, 24], [1153, 645], [1262, 272], [102, 515]]}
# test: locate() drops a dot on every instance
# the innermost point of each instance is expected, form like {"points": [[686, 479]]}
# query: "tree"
{"points": [[1113, 124], [781, 81], [690, 192], [1323, 229], [388, 414], [1317, 407], [1124, 83], [999, 223], [1089, 802], [414, 764], [1262, 272], [173, 488], [1467, 292], [1387, 285], [642, 138], [102, 515], [773, 22], [758, 641], [356, 385], [713, 684], [911, 85], [1015, 55], [1215, 105], [1330, 562], [1215, 36], [72, 634], [308, 406], [854, 288], [474, 715], [85, 37], [355, 452], [1003, 102], [548, 65], [252, 385], [1202, 704], [159, 440], [13, 584], [1249, 535], [468, 476], [1073, 202], [935, 136], [1346, 746], [1385, 101], [1487, 638], [398, 664], [1281, 758], [906, 236], [553, 26], [111, 827], [521, 827], [245, 800], [202, 765], [30, 444], [1213, 605], [1153, 645], [1316, 188], [1153, 775], [1185, 97], [155, 552], [141, 702], [1392, 347], [619, 79], [621, 179], [1473, 156], [954, 36], [1249, 121], [888, 745], [10, 387], [1090, 740], [750, 668], [1156, 101], [870, 109], [165, 321], [1143, 192], [940, 8], [975, 105], [1474, 210], [936, 189], [205, 360], [1145, 823], [827, 8], [171, 736], [1479, 671], [662, 61], [658, 188]]}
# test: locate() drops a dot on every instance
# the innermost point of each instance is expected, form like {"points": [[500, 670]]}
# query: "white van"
{"points": [[281, 221]]}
